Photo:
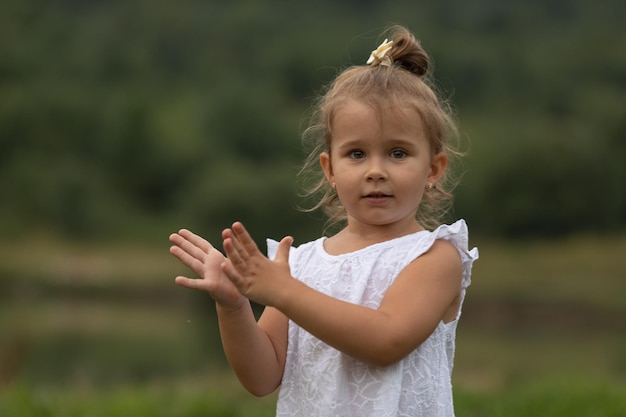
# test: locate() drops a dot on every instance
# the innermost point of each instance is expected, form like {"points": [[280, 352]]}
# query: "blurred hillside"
{"points": [[132, 118], [122, 121]]}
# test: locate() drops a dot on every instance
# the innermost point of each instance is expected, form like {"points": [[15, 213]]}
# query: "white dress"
{"points": [[321, 381]]}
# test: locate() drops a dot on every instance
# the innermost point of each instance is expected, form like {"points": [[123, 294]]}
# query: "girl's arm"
{"points": [[426, 292], [255, 351]]}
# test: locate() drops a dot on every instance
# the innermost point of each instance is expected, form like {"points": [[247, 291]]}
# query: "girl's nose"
{"points": [[376, 171]]}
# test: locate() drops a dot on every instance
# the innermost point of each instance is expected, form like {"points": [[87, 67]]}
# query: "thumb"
{"points": [[282, 253], [194, 284]]}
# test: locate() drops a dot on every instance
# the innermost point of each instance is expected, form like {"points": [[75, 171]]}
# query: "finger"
{"points": [[196, 240], [231, 273], [188, 260], [247, 243], [235, 241], [231, 247], [182, 247], [282, 253], [194, 284], [189, 246], [236, 250]]}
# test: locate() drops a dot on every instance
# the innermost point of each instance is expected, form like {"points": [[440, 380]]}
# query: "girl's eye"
{"points": [[398, 153], [357, 154]]}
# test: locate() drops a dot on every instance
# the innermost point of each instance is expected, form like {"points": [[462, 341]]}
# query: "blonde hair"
{"points": [[406, 83]]}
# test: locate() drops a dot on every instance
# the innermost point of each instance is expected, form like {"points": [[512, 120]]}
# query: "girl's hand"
{"points": [[254, 275], [206, 261]]}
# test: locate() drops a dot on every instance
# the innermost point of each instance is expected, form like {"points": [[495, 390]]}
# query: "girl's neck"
{"points": [[358, 236]]}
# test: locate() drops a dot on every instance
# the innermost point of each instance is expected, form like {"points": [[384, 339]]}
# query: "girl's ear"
{"points": [[438, 166], [327, 167]]}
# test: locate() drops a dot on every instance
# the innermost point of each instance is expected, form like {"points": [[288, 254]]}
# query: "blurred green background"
{"points": [[122, 121]]}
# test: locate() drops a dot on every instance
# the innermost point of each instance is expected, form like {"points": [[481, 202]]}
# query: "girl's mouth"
{"points": [[377, 198]]}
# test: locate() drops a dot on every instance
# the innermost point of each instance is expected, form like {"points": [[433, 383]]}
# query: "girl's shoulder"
{"points": [[457, 234]]}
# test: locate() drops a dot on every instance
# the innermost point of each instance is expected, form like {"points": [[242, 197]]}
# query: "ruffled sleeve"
{"points": [[457, 234], [272, 248]]}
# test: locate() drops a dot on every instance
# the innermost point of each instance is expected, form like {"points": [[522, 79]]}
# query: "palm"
{"points": [[215, 282]]}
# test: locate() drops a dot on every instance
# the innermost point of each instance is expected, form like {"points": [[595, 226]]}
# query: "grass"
{"points": [[103, 331], [555, 397], [217, 396], [220, 397]]}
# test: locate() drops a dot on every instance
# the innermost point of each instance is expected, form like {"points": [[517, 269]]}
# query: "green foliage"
{"points": [[114, 112], [547, 398], [171, 401], [553, 397], [572, 182]]}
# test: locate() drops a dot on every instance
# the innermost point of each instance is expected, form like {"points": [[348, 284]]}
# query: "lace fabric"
{"points": [[321, 381]]}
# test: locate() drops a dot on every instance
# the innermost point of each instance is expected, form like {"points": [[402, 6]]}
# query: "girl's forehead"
{"points": [[380, 113], [359, 122]]}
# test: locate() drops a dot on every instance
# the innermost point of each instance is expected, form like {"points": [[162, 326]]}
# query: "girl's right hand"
{"points": [[202, 258]]}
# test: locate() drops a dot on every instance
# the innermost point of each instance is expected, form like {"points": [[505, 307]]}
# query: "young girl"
{"points": [[361, 323]]}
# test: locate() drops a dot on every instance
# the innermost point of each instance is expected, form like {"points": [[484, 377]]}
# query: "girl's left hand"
{"points": [[255, 276]]}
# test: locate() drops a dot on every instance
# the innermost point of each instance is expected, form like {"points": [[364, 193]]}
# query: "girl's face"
{"points": [[380, 170]]}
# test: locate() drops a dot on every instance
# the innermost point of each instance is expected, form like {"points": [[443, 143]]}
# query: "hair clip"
{"points": [[379, 55]]}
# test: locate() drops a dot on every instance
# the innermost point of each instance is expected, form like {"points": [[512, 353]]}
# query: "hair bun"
{"points": [[408, 53]]}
